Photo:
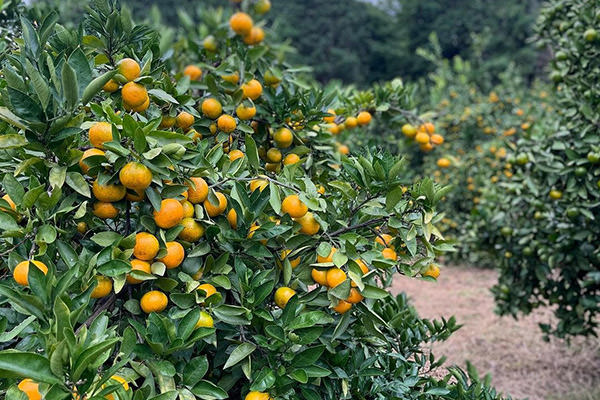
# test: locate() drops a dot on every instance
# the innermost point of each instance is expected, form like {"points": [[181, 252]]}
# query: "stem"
{"points": [[358, 226], [99, 310]]}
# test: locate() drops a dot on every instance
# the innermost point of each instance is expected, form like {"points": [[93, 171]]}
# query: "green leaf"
{"points": [[8, 336], [69, 85], [95, 86], [252, 152], [274, 198], [114, 268], [209, 391], [46, 234], [13, 188], [12, 119], [107, 238], [12, 141], [39, 84], [8, 223], [77, 182], [309, 319], [194, 370], [239, 353], [31, 196], [18, 364], [88, 357], [373, 292], [57, 176], [162, 95]]}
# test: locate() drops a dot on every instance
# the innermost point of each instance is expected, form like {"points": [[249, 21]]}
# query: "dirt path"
{"points": [[520, 362]]}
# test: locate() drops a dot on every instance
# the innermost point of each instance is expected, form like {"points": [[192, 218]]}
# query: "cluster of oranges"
{"points": [[424, 135], [135, 96], [337, 124], [242, 24]]}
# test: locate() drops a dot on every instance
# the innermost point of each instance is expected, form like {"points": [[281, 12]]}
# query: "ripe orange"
{"points": [[232, 78], [294, 263], [329, 258], [138, 265], [193, 72], [154, 301], [205, 320], [244, 112], [252, 89], [409, 131], [342, 307], [256, 35], [226, 123], [283, 295], [134, 94], [21, 271], [100, 133], [167, 121], [104, 210], [198, 190], [260, 184], [175, 255], [11, 203], [108, 193], [354, 296], [426, 147], [192, 230], [211, 108], [143, 107], [111, 86], [207, 288], [335, 276], [330, 119], [235, 154], [120, 380], [129, 68], [232, 218], [384, 239], [437, 139], [241, 23], [30, 388], [188, 209], [293, 206], [135, 176], [258, 396], [321, 189], [389, 254], [274, 155], [432, 271], [343, 149], [88, 153], [334, 129], [170, 213], [104, 287], [184, 120], [443, 162], [319, 276], [422, 138], [291, 159], [255, 226], [363, 118], [428, 127], [362, 265], [214, 210], [308, 223], [283, 138], [146, 246]]}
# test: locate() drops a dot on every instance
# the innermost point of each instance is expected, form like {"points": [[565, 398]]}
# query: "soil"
{"points": [[513, 351]]}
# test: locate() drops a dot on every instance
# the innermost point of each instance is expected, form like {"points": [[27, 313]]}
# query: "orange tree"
{"points": [[197, 234]]}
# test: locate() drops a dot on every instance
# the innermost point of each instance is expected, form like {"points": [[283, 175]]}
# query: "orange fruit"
{"points": [[363, 118], [167, 121], [235, 154], [330, 119], [30, 388], [100, 133], [362, 265], [120, 380], [188, 209], [211, 108], [205, 320], [258, 396], [198, 190], [343, 149], [255, 226], [175, 255], [108, 193], [319, 276], [262, 7], [342, 307], [214, 210], [184, 120], [143, 107], [104, 210], [232, 78], [555, 194], [193, 72], [138, 265], [354, 296], [252, 89], [135, 176], [284, 254], [260, 184], [443, 162], [293, 206], [334, 129], [389, 254], [88, 153], [426, 147], [129, 68], [134, 94], [226, 123], [432, 271], [422, 138], [192, 230], [154, 301], [232, 218], [82, 227], [335, 276], [327, 259], [429, 128], [437, 139], [291, 159], [208, 289], [245, 112], [308, 223], [283, 295], [111, 86], [351, 122], [21, 271], [321, 189], [283, 138], [409, 131], [241, 23], [170, 213], [11, 203], [146, 246], [384, 239], [274, 155], [103, 288], [209, 43], [256, 35]]}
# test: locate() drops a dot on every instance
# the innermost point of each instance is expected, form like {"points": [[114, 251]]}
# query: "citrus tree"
{"points": [[182, 225]]}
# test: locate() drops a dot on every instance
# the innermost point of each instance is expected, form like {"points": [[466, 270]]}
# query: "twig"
{"points": [[358, 226], [99, 310]]}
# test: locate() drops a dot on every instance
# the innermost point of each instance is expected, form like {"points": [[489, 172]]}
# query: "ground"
{"points": [[521, 363]]}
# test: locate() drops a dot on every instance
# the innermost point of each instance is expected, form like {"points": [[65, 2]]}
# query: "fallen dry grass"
{"points": [[513, 351]]}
